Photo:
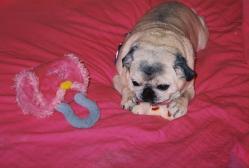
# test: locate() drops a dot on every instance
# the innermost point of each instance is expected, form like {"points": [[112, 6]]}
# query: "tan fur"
{"points": [[174, 27]]}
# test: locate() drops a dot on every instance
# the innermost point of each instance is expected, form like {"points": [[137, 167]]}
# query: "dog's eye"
{"points": [[135, 83], [163, 87]]}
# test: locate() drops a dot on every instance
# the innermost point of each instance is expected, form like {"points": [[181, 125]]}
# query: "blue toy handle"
{"points": [[74, 120]]}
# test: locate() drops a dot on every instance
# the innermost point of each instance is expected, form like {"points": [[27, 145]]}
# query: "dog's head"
{"points": [[156, 74]]}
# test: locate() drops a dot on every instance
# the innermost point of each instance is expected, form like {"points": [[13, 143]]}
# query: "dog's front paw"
{"points": [[178, 108], [128, 103]]}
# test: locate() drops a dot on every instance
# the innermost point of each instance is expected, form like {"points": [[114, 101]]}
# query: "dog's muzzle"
{"points": [[148, 95]]}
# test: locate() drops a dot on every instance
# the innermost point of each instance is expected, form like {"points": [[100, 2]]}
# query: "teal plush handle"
{"points": [[74, 120]]}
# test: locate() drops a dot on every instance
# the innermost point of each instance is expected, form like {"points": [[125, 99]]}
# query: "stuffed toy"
{"points": [[52, 86], [144, 108]]}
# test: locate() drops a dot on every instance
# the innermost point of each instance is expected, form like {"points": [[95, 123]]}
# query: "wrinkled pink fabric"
{"points": [[38, 90], [245, 27], [214, 133]]}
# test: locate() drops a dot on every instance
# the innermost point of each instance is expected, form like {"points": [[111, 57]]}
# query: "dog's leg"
{"points": [[179, 106], [117, 83], [128, 98]]}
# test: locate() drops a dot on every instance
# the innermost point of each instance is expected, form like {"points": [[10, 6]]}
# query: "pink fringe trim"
{"points": [[84, 73], [32, 101]]}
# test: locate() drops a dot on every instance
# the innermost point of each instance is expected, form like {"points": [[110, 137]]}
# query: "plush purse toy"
{"points": [[49, 87]]}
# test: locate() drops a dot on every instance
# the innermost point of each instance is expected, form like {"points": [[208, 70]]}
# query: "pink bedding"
{"points": [[214, 133]]}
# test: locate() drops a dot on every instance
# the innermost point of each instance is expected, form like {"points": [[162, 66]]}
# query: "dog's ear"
{"points": [[127, 60], [182, 69]]}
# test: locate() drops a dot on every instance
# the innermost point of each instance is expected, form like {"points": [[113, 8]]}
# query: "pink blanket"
{"points": [[214, 133]]}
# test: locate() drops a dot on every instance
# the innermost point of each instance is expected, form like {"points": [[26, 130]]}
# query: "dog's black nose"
{"points": [[148, 95]]}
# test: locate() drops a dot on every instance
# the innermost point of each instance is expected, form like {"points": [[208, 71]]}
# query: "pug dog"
{"points": [[155, 64]]}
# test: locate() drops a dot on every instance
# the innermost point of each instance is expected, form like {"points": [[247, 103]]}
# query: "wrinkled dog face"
{"points": [[156, 74]]}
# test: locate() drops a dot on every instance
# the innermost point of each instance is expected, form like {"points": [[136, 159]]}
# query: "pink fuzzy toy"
{"points": [[43, 89]]}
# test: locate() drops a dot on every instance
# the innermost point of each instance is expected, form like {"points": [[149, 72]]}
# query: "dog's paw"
{"points": [[178, 108], [128, 103]]}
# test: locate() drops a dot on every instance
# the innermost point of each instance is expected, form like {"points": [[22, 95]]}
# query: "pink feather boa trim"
{"points": [[38, 91]]}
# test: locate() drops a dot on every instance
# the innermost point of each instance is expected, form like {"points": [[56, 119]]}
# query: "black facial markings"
{"points": [[160, 17], [162, 87], [181, 63], [135, 83], [150, 70], [148, 95], [127, 60]]}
